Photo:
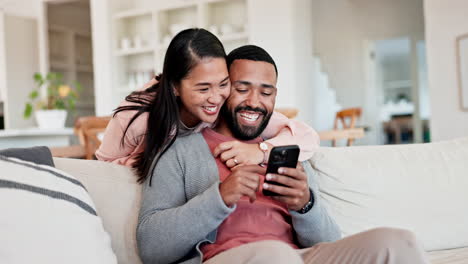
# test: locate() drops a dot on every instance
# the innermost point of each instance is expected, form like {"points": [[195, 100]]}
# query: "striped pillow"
{"points": [[47, 216]]}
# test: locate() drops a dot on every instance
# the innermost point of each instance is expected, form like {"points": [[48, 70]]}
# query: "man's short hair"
{"points": [[250, 52]]}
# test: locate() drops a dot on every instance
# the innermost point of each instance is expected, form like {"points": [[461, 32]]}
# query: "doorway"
{"points": [[397, 92], [70, 50]]}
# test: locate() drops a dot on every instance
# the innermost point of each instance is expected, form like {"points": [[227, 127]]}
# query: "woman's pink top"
{"points": [[280, 131]]}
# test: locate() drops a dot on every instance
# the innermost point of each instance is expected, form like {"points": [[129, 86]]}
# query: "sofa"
{"points": [[420, 187]]}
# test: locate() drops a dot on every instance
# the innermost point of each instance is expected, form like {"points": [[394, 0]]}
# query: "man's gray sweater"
{"points": [[183, 207]]}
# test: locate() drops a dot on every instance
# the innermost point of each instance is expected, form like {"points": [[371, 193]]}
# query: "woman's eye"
{"points": [[224, 84], [266, 94], [203, 90]]}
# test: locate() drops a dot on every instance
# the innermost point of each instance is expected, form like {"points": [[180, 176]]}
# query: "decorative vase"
{"points": [[50, 119]]}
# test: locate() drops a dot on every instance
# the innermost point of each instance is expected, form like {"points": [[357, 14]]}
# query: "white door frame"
{"points": [[373, 91], [371, 96]]}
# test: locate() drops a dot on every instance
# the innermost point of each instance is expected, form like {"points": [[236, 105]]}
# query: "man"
{"points": [[197, 209]]}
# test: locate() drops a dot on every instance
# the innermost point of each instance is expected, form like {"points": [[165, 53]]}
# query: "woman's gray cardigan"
{"points": [[183, 207]]}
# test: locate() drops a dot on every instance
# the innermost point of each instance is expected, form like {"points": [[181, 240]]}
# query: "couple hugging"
{"points": [[197, 137]]}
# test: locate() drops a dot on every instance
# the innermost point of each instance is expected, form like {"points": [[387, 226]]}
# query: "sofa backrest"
{"points": [[116, 195], [420, 187]]}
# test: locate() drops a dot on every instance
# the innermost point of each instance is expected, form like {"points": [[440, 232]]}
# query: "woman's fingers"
{"points": [[223, 147], [231, 163], [229, 154], [243, 153]]}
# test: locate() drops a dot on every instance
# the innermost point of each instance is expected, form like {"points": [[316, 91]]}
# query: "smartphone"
{"points": [[281, 156]]}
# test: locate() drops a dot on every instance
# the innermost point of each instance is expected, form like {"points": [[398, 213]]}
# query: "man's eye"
{"points": [[266, 94], [224, 84], [241, 90], [203, 90]]}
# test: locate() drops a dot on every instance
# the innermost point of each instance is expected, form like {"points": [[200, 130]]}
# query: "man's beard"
{"points": [[243, 132]]}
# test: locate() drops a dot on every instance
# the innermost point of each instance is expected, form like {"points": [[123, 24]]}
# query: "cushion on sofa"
{"points": [[420, 187], [449, 256], [38, 155], [117, 195], [47, 216]]}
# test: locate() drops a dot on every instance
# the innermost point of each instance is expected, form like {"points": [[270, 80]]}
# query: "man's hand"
{"points": [[235, 153], [295, 194], [243, 181]]}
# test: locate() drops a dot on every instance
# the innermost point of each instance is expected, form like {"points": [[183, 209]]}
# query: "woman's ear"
{"points": [[176, 90]]}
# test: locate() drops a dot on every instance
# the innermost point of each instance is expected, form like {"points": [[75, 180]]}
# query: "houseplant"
{"points": [[51, 99]]}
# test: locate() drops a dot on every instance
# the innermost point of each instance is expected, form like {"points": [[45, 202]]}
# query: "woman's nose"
{"points": [[215, 97]]}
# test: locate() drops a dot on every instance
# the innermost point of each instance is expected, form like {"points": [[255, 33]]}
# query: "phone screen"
{"points": [[281, 156]]}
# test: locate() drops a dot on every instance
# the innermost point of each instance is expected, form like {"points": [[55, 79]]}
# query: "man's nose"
{"points": [[253, 100]]}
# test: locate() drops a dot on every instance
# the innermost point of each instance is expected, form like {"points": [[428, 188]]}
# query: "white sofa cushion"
{"points": [[420, 187], [47, 216], [449, 256], [117, 196]]}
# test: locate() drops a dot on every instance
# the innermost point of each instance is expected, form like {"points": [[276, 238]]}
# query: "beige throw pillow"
{"points": [[47, 216]]}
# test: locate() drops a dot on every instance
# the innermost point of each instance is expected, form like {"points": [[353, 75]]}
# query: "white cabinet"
{"points": [[140, 36], [70, 53], [130, 39], [39, 41]]}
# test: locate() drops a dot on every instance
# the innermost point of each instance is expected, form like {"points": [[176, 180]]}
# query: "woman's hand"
{"points": [[152, 82], [235, 153]]}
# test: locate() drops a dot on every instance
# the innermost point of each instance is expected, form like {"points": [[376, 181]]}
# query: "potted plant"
{"points": [[51, 109]]}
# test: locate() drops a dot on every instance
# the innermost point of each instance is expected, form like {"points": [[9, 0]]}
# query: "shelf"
{"points": [[84, 68], [132, 14], [398, 84], [177, 5], [218, 1], [134, 51], [60, 65], [234, 36], [166, 19], [34, 131], [64, 30]]}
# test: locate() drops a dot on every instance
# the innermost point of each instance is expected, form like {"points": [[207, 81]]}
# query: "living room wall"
{"points": [[341, 29], [23, 8], [445, 20]]}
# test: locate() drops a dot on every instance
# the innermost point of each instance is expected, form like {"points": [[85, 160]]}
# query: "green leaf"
{"points": [[50, 76], [37, 77], [50, 91], [78, 86], [57, 78], [71, 103], [60, 104], [33, 95], [73, 95], [27, 111]]}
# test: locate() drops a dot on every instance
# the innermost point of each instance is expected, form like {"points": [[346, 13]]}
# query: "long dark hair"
{"points": [[184, 52]]}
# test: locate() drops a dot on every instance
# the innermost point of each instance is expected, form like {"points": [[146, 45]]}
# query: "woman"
{"points": [[186, 98]]}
